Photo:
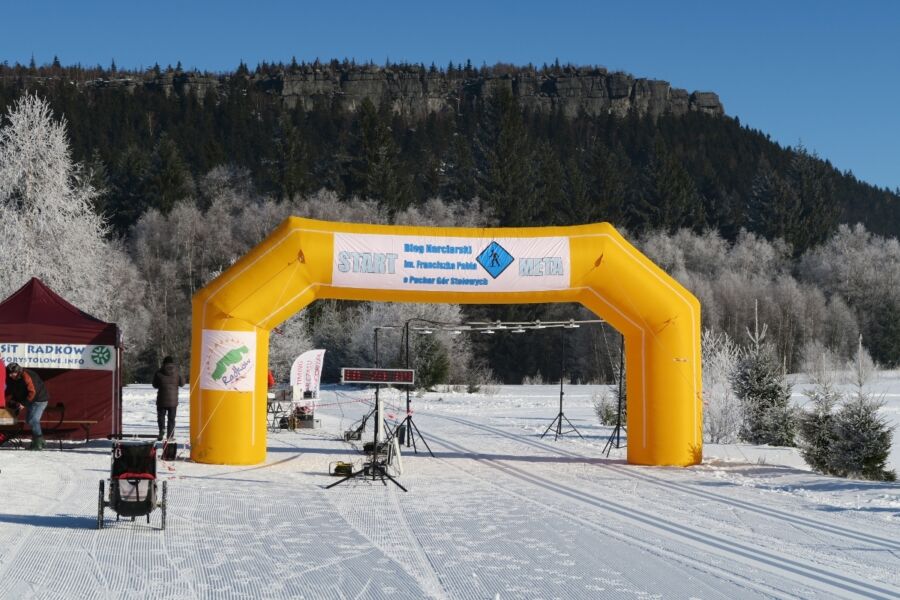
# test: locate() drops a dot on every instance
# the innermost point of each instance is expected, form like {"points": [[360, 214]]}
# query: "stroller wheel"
{"points": [[162, 505], [100, 506]]}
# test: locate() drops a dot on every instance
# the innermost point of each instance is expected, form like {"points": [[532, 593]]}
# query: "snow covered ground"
{"points": [[497, 513]]}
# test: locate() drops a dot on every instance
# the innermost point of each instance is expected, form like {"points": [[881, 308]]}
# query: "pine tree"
{"points": [[169, 179], [128, 199], [432, 362], [576, 198], [798, 205], [862, 441], [608, 187], [459, 182], [290, 167], [375, 168], [505, 162], [764, 394], [816, 428], [551, 192], [884, 331], [668, 198], [774, 208], [812, 180]]}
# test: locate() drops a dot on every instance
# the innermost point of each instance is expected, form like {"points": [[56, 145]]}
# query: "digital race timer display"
{"points": [[392, 376]]}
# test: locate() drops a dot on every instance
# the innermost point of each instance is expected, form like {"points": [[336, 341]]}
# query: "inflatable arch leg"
{"points": [[304, 260]]}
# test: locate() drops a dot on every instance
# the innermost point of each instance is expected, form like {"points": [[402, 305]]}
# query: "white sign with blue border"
{"points": [[33, 355], [397, 262]]}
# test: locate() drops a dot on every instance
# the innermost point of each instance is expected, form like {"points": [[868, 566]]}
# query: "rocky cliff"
{"points": [[417, 92]]}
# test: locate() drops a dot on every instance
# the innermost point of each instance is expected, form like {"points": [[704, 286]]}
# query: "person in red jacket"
{"points": [[27, 389]]}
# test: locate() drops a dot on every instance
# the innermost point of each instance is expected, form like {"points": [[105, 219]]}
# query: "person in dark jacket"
{"points": [[28, 390], [167, 381]]}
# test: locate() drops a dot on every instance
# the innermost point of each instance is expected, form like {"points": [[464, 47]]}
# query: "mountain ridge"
{"points": [[414, 91]]}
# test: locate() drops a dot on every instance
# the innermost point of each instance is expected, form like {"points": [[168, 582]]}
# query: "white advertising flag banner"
{"points": [[59, 356], [399, 262], [306, 372], [228, 360]]}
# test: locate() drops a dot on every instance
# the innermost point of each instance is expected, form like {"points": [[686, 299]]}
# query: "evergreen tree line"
{"points": [[146, 148], [827, 294], [747, 397]]}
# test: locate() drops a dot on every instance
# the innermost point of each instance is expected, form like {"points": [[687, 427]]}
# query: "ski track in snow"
{"points": [[499, 513], [637, 473], [753, 555]]}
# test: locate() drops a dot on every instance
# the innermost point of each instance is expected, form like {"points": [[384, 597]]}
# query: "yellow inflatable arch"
{"points": [[303, 260]]}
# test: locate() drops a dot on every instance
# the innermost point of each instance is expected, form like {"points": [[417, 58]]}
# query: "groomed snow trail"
{"points": [[754, 552], [498, 513]]}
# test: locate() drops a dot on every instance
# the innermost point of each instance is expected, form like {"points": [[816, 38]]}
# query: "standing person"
{"points": [[167, 381], [28, 390]]}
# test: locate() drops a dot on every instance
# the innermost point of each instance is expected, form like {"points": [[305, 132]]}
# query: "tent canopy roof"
{"points": [[35, 313]]}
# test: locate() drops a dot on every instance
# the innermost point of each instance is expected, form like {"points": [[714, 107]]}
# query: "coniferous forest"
{"points": [[147, 145], [149, 142]]}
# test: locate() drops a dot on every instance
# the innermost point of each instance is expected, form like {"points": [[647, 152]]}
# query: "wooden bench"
{"points": [[53, 427], [67, 425]]}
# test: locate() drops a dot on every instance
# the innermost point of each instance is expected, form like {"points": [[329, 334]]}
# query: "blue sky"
{"points": [[825, 74]]}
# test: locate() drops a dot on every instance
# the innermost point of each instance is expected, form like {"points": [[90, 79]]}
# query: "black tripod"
{"points": [[375, 468], [410, 430], [558, 421], [617, 430]]}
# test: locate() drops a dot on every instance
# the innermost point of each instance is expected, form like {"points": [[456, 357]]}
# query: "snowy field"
{"points": [[497, 513]]}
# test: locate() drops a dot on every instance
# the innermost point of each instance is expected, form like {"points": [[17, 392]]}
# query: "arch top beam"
{"points": [[303, 260]]}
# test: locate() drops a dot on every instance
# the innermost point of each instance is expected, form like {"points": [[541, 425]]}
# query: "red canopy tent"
{"points": [[78, 356]]}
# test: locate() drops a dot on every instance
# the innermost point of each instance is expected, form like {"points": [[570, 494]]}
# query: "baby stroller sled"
{"points": [[133, 488]]}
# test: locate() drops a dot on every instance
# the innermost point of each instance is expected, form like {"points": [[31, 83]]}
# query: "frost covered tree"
{"points": [[863, 269], [862, 440], [48, 227], [815, 426], [606, 406], [861, 367], [764, 394], [853, 441], [815, 421], [286, 342], [726, 277], [180, 252], [721, 408], [820, 364], [862, 437]]}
